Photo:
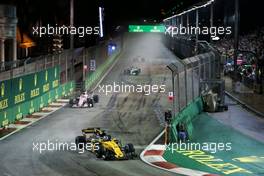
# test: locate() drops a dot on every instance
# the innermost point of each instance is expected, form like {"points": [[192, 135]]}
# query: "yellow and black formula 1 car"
{"points": [[105, 147]]}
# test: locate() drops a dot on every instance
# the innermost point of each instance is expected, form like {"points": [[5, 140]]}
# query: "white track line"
{"points": [[106, 73]]}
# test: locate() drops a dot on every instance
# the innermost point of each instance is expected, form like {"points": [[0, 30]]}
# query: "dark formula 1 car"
{"points": [[107, 148], [84, 100], [132, 71]]}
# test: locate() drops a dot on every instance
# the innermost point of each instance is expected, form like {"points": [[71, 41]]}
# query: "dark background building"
{"points": [[117, 13]]}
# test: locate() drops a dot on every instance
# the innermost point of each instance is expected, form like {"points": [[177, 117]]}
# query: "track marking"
{"points": [[152, 155]]}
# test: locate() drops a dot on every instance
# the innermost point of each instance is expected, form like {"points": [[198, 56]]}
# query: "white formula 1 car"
{"points": [[84, 101]]}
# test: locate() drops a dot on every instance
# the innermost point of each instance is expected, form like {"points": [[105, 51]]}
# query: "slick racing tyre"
{"points": [[96, 99], [71, 102], [129, 151], [99, 152], [80, 142], [90, 102]]}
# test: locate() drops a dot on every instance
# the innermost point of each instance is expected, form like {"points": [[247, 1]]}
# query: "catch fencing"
{"points": [[189, 75]]}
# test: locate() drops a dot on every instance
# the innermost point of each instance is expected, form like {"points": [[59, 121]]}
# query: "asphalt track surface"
{"points": [[126, 116]]}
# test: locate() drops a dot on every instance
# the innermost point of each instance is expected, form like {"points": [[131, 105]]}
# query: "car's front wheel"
{"points": [[106, 155], [99, 152]]}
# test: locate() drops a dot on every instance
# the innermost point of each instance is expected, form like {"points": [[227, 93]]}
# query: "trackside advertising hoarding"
{"points": [[26, 94]]}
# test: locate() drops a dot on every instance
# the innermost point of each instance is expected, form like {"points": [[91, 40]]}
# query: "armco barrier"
{"points": [[27, 94], [186, 117], [96, 75]]}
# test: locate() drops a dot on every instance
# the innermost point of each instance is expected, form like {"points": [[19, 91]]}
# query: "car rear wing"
{"points": [[92, 130]]}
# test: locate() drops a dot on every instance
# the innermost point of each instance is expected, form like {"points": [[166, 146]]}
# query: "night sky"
{"points": [[86, 11], [116, 11], [123, 12]]}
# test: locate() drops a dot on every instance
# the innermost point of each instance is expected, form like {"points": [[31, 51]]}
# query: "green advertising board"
{"points": [[146, 28], [35, 86], [27, 94], [5, 102], [20, 93], [5, 86], [5, 116]]}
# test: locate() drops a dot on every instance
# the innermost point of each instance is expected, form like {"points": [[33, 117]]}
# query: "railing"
{"points": [[67, 60], [18, 68], [193, 70]]}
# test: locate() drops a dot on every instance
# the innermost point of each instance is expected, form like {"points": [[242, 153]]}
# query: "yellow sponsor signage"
{"points": [[46, 87], [250, 159], [34, 93], [212, 162], [3, 104], [19, 116], [19, 98], [5, 122], [55, 83]]}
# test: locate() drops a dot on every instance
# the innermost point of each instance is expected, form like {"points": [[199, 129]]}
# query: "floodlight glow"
{"points": [[101, 21], [194, 8]]}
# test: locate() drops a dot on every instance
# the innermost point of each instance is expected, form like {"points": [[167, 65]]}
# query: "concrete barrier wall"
{"points": [[27, 94]]}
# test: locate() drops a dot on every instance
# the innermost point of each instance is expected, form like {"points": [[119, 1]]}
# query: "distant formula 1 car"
{"points": [[84, 101], [108, 148], [132, 71]]}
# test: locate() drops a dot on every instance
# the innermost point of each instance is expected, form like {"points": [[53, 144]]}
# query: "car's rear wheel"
{"points": [[80, 142], [129, 148], [72, 101], [91, 105], [96, 98], [90, 102], [130, 151], [99, 152]]}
